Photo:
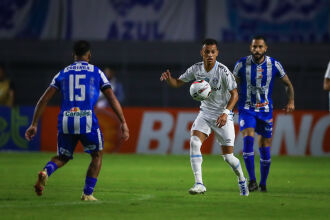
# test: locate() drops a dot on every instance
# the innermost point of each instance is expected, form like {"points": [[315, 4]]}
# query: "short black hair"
{"points": [[81, 47], [259, 37], [210, 41]]}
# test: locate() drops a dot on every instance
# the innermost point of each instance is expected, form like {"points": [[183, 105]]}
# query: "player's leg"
{"points": [[93, 144], [225, 136], [65, 147], [199, 132], [247, 124], [264, 128], [196, 160], [234, 163], [265, 161]]}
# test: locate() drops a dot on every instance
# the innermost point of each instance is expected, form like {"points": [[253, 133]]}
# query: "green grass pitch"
{"points": [[155, 187]]}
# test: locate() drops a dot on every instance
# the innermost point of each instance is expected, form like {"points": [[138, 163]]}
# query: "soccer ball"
{"points": [[200, 90]]}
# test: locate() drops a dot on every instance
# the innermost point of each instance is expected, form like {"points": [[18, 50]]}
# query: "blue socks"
{"points": [[248, 155], [90, 183], [50, 167], [264, 164]]}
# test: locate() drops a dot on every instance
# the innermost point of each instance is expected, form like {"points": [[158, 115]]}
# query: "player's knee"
{"points": [[195, 145], [231, 160], [60, 160], [227, 157]]}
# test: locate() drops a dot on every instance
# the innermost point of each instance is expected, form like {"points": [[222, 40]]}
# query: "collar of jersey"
{"points": [[259, 63], [215, 66], [81, 61]]}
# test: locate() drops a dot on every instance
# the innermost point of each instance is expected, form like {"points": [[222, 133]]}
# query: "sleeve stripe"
{"points": [[237, 68], [103, 77], [280, 69]]}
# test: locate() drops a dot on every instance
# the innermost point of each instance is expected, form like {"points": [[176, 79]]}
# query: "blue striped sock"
{"points": [[248, 156], [264, 164], [90, 183], [50, 167]]}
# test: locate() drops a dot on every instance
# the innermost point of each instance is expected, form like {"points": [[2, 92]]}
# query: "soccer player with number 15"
{"points": [[79, 84]]}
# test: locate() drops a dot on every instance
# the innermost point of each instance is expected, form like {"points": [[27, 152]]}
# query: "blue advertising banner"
{"points": [[13, 123], [277, 20]]}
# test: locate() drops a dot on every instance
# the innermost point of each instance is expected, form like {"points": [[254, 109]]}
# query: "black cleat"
{"points": [[263, 188], [253, 186]]}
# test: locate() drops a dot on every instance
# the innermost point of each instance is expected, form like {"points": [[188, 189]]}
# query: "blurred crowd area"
{"points": [[138, 39]]}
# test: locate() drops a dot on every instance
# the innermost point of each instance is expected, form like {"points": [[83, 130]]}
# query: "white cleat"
{"points": [[90, 197], [198, 188], [243, 188]]}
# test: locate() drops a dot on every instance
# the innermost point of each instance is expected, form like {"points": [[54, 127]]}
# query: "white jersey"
{"points": [[221, 81]]}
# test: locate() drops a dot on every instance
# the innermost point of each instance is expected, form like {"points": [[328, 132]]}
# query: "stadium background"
{"points": [[142, 38]]}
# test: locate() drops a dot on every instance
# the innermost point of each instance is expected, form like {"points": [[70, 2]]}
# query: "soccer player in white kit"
{"points": [[215, 113]]}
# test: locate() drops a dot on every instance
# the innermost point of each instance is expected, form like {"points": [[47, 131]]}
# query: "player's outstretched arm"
{"points": [[290, 92], [221, 121], [173, 82], [42, 103], [115, 105]]}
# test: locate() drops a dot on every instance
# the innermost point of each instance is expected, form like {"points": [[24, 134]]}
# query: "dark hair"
{"points": [[210, 41], [259, 37], [81, 47]]}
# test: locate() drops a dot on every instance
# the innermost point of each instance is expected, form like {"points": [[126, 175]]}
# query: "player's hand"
{"points": [[30, 132], [289, 107], [124, 132], [165, 75], [221, 120]]}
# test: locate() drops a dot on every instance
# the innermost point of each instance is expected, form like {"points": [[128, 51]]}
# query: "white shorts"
{"points": [[225, 135]]}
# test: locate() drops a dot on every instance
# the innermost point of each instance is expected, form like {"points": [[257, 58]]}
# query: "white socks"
{"points": [[196, 158], [235, 165]]}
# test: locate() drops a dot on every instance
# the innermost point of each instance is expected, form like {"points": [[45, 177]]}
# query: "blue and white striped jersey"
{"points": [[80, 85], [256, 83]]}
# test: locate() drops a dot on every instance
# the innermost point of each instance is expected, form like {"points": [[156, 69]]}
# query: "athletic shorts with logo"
{"points": [[225, 135], [66, 143]]}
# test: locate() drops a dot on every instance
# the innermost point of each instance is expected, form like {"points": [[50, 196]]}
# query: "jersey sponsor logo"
{"points": [[90, 147], [78, 68], [257, 89], [259, 72], [75, 111], [259, 105]]}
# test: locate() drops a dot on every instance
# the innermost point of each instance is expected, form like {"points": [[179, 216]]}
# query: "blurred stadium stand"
{"points": [[32, 60]]}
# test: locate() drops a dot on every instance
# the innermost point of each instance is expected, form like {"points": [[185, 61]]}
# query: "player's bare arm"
{"points": [[231, 103], [290, 92], [326, 84], [42, 103], [115, 105], [173, 82]]}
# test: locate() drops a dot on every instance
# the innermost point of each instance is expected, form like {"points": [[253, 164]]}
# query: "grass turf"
{"points": [[155, 187]]}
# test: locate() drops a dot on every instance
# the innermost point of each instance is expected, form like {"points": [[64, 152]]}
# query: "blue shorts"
{"points": [[262, 122], [66, 143]]}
